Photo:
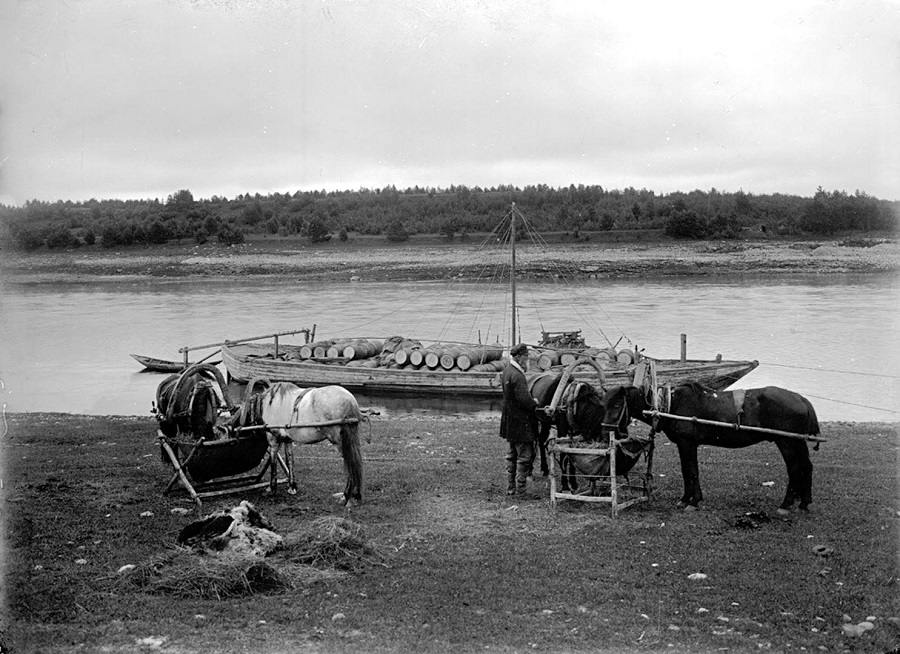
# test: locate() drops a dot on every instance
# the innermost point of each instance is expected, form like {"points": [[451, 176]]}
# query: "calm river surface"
{"points": [[834, 338]]}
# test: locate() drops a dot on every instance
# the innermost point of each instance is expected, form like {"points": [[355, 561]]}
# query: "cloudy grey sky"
{"points": [[141, 98]]}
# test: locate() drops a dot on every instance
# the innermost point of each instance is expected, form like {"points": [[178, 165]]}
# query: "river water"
{"points": [[832, 338]]}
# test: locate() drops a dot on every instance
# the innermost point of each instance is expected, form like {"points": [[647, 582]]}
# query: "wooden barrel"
{"points": [[474, 356], [448, 358], [625, 356], [359, 350], [320, 351], [308, 350], [401, 357], [567, 358], [337, 349], [548, 359], [416, 357], [490, 366], [433, 358]]}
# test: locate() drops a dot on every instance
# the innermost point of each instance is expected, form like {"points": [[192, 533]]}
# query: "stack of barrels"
{"points": [[349, 349], [479, 358], [406, 353], [550, 358]]}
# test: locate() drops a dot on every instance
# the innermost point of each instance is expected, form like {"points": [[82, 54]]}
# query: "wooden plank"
{"points": [[730, 425], [244, 340], [599, 499]]}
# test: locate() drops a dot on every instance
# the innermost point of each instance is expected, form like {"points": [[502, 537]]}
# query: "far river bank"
{"points": [[422, 259]]}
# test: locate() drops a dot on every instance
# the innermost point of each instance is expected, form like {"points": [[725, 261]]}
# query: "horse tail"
{"points": [[812, 422], [352, 455]]}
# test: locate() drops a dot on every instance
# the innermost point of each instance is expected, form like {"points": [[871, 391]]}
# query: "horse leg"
{"points": [[289, 460], [568, 479], [273, 463], [690, 473], [799, 469], [542, 446]]}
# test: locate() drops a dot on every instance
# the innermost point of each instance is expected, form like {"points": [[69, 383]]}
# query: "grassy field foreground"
{"points": [[463, 567]]}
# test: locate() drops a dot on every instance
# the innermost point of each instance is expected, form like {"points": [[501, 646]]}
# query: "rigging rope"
{"points": [[843, 372], [863, 406], [565, 274]]}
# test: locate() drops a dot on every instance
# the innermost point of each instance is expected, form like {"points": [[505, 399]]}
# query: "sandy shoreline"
{"points": [[375, 261]]}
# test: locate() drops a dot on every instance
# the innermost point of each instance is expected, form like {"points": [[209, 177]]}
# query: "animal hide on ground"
{"points": [[242, 529]]}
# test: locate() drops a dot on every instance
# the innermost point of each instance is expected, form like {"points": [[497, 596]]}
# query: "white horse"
{"points": [[305, 416]]}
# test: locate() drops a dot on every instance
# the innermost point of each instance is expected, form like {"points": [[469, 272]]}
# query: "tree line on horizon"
{"points": [[577, 211]]}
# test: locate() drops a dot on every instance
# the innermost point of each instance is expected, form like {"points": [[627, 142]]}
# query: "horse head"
{"points": [[585, 412], [622, 403], [189, 403]]}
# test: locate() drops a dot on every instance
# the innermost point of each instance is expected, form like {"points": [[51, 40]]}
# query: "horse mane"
{"points": [[697, 387]]}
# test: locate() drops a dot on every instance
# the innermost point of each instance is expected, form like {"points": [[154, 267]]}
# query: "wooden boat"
{"points": [[162, 365], [406, 366], [246, 361]]}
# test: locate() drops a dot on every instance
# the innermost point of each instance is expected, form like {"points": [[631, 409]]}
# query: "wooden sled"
{"points": [[209, 468]]}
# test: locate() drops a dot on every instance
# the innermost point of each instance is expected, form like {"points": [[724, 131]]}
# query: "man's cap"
{"points": [[521, 348]]}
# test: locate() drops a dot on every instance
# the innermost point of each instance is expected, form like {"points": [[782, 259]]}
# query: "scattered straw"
{"points": [[321, 550], [331, 542], [185, 574]]}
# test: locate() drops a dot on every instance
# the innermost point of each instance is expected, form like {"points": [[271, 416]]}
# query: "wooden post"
{"points": [[276, 346], [683, 348], [551, 443], [613, 491], [179, 471]]}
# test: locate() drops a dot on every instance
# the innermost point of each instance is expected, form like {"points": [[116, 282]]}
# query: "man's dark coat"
{"points": [[518, 422]]}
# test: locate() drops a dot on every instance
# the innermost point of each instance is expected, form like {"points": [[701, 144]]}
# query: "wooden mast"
{"points": [[512, 273]]}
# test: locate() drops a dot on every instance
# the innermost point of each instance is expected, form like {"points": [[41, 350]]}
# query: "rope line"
{"points": [[843, 372], [863, 406]]}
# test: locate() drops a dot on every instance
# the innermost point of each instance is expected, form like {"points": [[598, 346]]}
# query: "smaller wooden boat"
{"points": [[152, 364]]}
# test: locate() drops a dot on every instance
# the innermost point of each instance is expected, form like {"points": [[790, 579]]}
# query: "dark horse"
{"points": [[770, 408], [581, 412], [188, 404]]}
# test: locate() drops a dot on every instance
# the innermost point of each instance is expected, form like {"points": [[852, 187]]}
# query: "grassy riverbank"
{"points": [[613, 255], [461, 568]]}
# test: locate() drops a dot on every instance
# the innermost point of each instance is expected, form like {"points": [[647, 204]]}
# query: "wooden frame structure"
{"points": [[214, 486], [615, 497], [225, 485]]}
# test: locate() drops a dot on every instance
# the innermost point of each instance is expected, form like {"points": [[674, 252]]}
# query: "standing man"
{"points": [[518, 422]]}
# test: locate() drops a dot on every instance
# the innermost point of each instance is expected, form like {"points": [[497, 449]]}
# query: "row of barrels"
{"points": [[550, 358], [347, 349], [476, 359], [407, 353]]}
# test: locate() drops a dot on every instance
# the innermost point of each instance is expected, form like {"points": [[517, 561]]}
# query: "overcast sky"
{"points": [[139, 99]]}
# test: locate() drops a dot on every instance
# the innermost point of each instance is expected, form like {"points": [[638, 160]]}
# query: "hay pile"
{"points": [[331, 542], [325, 548]]}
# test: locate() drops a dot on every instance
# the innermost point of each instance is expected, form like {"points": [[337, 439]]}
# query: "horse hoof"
{"points": [[681, 504], [292, 491], [690, 507], [782, 512]]}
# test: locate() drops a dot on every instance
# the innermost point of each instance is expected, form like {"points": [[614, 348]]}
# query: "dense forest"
{"points": [[392, 214]]}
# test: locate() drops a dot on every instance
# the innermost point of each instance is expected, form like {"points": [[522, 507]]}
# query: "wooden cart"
{"points": [[604, 488]]}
